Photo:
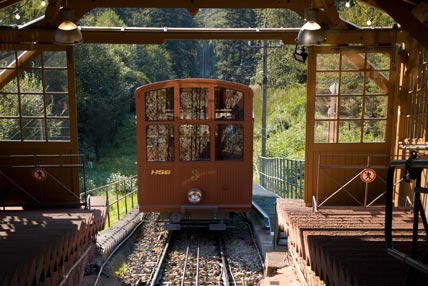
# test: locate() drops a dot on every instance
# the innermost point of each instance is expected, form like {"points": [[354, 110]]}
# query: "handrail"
{"points": [[122, 190], [284, 177], [413, 169]]}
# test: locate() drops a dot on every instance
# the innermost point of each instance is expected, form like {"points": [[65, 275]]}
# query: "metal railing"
{"points": [[121, 196], [284, 177]]}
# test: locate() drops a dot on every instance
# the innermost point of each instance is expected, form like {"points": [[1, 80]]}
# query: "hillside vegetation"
{"points": [[107, 75]]}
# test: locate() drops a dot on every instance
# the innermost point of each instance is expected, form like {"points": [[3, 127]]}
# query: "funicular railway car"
{"points": [[194, 150]]}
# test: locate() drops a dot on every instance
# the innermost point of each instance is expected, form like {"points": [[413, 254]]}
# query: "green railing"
{"points": [[284, 177], [121, 197]]}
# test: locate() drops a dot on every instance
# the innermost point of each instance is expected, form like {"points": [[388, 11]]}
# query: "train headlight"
{"points": [[194, 195]]}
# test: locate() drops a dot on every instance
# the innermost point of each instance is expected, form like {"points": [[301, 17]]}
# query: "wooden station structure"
{"points": [[384, 71]]}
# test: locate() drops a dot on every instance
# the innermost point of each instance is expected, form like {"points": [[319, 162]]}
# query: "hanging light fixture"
{"points": [[67, 32], [311, 32], [300, 54]]}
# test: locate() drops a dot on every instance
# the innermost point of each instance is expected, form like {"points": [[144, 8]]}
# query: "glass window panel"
{"points": [[160, 104], [160, 143], [325, 131], [35, 62], [33, 129], [327, 62], [351, 107], [57, 105], [9, 105], [350, 131], [31, 81], [58, 130], [229, 142], [353, 61], [376, 107], [32, 104], [56, 80], [7, 59], [11, 86], [351, 83], [194, 142], [194, 103], [378, 61], [327, 83], [376, 83], [9, 129], [374, 131], [229, 104], [55, 59], [326, 107]]}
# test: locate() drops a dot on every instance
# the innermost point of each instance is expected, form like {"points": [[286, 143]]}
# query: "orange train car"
{"points": [[194, 150]]}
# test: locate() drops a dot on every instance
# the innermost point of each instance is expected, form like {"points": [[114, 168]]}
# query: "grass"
{"points": [[118, 157]]}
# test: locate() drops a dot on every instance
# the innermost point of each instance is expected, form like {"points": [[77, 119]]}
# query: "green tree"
{"points": [[235, 58], [103, 100]]}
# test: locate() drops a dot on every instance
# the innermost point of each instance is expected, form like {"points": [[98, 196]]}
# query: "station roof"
{"points": [[411, 15]]}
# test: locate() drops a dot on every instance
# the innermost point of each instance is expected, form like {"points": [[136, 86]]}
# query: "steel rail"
{"points": [[161, 260], [197, 264], [224, 271], [186, 258]]}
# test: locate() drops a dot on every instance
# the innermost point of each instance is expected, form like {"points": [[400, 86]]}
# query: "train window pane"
{"points": [[58, 130], [229, 104], [194, 142], [325, 131], [9, 129], [34, 129], [160, 104], [194, 103], [229, 142], [160, 143]]}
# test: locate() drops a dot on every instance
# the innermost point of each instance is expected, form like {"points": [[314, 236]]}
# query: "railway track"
{"points": [[193, 256]]}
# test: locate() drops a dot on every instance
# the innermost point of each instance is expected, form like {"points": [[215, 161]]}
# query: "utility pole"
{"points": [[264, 47], [264, 108]]}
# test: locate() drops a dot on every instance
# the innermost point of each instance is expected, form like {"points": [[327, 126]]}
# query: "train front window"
{"points": [[160, 143], [229, 104], [194, 103], [194, 142], [160, 104], [229, 142]]}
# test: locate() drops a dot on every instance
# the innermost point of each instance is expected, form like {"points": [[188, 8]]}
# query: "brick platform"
{"points": [[345, 245], [38, 247]]}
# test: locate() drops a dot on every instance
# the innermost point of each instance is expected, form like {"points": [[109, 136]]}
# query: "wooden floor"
{"points": [[346, 246], [39, 247]]}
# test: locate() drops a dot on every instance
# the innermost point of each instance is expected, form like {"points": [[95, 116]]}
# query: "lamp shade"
{"points": [[68, 33], [311, 32]]}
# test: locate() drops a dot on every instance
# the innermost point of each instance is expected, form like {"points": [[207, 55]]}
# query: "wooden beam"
{"points": [[122, 35], [399, 10]]}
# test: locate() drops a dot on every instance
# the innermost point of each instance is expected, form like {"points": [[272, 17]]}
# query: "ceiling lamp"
{"points": [[311, 32], [67, 32]]}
